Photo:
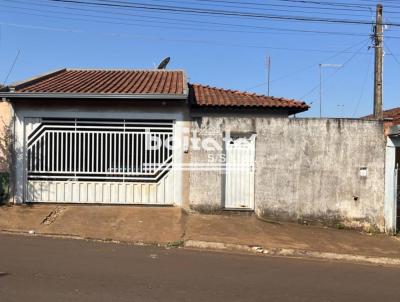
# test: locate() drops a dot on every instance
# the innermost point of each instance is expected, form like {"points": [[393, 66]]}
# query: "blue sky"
{"points": [[49, 35]]}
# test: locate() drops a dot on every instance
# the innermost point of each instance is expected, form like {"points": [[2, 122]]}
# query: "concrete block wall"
{"points": [[306, 169]]}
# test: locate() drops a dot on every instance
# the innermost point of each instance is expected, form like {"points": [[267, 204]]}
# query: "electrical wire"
{"points": [[261, 6], [335, 72], [307, 67], [180, 20], [363, 87], [264, 28], [394, 56], [213, 12], [12, 67], [193, 41]]}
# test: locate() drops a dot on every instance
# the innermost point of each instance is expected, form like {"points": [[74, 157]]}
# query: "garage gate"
{"points": [[99, 161]]}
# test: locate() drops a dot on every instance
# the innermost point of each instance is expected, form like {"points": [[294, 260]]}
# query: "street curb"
{"points": [[295, 253], [79, 237], [210, 245]]}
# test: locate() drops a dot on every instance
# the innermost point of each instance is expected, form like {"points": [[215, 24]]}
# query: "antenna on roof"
{"points": [[164, 63]]}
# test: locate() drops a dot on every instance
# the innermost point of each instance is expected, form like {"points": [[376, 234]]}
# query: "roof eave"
{"points": [[290, 110], [294, 110], [32, 80], [19, 95]]}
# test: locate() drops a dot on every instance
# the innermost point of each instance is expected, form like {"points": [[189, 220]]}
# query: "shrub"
{"points": [[5, 161]]}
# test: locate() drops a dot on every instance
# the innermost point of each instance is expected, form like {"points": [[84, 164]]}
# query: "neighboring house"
{"points": [[391, 117], [392, 191], [5, 119], [83, 136], [391, 122]]}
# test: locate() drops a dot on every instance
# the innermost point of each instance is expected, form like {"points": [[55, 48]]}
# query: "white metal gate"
{"points": [[239, 177], [99, 161], [397, 196]]}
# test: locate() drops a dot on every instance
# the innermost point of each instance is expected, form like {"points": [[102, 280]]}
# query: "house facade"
{"points": [[150, 137], [391, 122]]}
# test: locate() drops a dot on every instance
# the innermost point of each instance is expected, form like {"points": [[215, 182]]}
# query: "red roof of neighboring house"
{"points": [[210, 96], [391, 115], [87, 81], [106, 83]]}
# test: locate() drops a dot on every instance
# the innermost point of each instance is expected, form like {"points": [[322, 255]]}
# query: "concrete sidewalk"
{"points": [[119, 223], [252, 231], [169, 225]]}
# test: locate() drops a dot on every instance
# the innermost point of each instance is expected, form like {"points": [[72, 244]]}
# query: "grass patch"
{"points": [[177, 243], [340, 226], [4, 187]]}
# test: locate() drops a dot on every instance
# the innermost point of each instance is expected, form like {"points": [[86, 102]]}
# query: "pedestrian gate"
{"points": [[239, 177], [99, 161]]}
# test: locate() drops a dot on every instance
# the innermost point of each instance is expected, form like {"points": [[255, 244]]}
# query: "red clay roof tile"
{"points": [[142, 82], [391, 114], [107, 81], [210, 96]]}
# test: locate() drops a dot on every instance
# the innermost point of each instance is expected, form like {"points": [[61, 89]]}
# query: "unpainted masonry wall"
{"points": [[306, 169]]}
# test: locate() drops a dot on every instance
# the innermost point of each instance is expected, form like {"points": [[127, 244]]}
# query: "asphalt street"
{"points": [[47, 269]]}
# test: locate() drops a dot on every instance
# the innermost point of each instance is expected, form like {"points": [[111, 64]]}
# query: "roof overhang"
{"points": [[27, 95], [247, 109]]}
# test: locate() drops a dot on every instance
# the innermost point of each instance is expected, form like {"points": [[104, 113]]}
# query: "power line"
{"points": [[186, 28], [260, 6], [203, 22], [335, 72], [317, 5], [149, 38], [271, 7], [341, 4], [187, 21], [12, 67], [214, 12], [394, 56], [345, 50], [363, 87]]}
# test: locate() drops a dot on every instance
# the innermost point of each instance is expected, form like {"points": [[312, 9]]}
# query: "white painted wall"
{"points": [[390, 198]]}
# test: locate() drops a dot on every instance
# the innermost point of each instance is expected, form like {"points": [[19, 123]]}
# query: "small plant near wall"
{"points": [[4, 187], [5, 161]]}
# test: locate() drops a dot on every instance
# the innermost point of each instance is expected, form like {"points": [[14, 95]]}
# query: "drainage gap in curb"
{"points": [[53, 215]]}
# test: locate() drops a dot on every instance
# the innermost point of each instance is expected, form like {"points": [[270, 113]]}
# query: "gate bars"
{"points": [[101, 150]]}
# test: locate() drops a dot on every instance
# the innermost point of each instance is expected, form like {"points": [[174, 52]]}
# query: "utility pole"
{"points": [[378, 75]]}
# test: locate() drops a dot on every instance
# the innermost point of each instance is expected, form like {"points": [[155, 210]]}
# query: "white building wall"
{"points": [[390, 193]]}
